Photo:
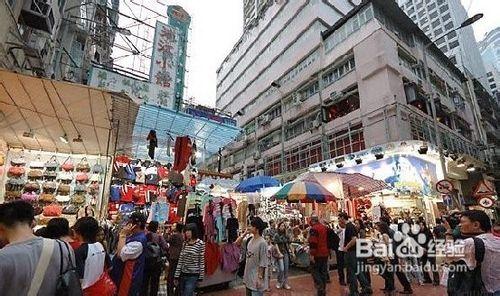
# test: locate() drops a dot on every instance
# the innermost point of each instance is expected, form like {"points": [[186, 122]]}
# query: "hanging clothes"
{"points": [[182, 153], [242, 214], [232, 229], [230, 257], [212, 257], [153, 144], [208, 222]]}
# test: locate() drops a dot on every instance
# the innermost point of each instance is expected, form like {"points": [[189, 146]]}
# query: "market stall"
{"points": [[58, 140]]}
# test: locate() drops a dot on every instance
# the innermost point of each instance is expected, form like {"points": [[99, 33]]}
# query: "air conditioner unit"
{"points": [[258, 173], [41, 14], [297, 99]]}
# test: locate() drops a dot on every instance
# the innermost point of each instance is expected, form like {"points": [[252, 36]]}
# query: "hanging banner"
{"points": [[163, 70]]}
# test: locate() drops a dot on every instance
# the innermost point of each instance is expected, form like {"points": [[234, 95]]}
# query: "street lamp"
{"points": [[277, 85], [466, 23]]}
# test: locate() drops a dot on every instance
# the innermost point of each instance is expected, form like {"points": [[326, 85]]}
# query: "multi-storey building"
{"points": [[253, 10], [321, 82], [58, 39], [436, 17], [490, 52]]}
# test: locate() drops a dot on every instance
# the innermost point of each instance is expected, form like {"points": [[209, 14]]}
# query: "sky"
{"points": [[218, 24]]}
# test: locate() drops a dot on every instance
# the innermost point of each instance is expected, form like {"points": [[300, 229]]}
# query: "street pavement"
{"points": [[302, 285]]}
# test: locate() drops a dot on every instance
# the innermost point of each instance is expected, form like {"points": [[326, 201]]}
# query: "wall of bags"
{"points": [[57, 184]]}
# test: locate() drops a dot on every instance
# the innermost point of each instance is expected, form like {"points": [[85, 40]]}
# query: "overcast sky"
{"points": [[218, 24]]}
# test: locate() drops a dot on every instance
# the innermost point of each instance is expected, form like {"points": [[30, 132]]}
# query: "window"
{"points": [[439, 41], [453, 59], [431, 6], [419, 5], [435, 23], [423, 21], [439, 2], [425, 29], [454, 44], [347, 141], [421, 13], [446, 17], [414, 18], [444, 48], [438, 32], [433, 15], [448, 26], [348, 104], [452, 35], [443, 8]]}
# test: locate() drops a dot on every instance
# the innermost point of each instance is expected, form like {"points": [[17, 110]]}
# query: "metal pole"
{"points": [[282, 105], [324, 141], [433, 109]]}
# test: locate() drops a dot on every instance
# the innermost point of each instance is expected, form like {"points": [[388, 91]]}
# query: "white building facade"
{"points": [[334, 99], [436, 17]]}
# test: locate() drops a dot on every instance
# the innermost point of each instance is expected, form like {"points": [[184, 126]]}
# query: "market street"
{"points": [[302, 285]]}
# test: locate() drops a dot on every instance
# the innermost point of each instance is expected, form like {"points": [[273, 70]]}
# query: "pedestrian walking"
{"points": [[282, 239], [256, 261], [91, 259], [354, 274], [156, 249], [29, 265], [191, 266], [175, 242], [128, 263], [318, 254]]}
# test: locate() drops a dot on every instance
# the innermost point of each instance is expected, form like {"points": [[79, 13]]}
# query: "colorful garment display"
{"points": [[182, 153], [212, 257], [230, 257]]}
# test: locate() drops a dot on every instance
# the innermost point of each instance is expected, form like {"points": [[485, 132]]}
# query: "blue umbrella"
{"points": [[255, 183]]}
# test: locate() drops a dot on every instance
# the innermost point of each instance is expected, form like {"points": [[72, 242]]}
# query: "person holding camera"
{"points": [[130, 256]]}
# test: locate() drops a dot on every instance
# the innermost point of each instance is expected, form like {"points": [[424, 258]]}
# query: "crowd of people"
{"points": [[58, 256]]}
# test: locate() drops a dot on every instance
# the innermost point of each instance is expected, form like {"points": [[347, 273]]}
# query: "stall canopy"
{"points": [[208, 135], [43, 114]]}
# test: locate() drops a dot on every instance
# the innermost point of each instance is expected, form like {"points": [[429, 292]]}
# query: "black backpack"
{"points": [[464, 281], [333, 239], [153, 254]]}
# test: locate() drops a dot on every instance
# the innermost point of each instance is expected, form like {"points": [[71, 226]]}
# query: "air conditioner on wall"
{"points": [[316, 123], [265, 119], [256, 155]]}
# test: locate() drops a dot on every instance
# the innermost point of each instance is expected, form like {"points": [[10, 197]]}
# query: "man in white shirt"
{"points": [[340, 256]]}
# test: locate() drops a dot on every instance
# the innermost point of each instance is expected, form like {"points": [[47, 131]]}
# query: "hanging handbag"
{"points": [[18, 161], [70, 210], [11, 195], [49, 175], [82, 177], [64, 189], [35, 174], [52, 164], [80, 188], [49, 187], [114, 192], [95, 177], [52, 210], [29, 196], [68, 165], [65, 176], [37, 208], [16, 171], [16, 183], [68, 282], [94, 188], [47, 198], [37, 163], [78, 199], [63, 198], [97, 168], [32, 186], [83, 166]]}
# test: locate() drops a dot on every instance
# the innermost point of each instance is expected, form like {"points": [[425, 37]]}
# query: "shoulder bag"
{"points": [[37, 163], [68, 282], [41, 267]]}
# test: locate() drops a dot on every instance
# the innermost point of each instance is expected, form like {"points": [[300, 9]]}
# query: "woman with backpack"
{"points": [[156, 250], [282, 241], [191, 266]]}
